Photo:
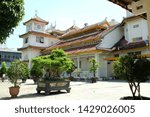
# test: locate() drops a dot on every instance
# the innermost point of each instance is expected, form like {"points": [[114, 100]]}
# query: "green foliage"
{"points": [[54, 64], [17, 70], [142, 69], [93, 67], [11, 12], [123, 68], [26, 72], [132, 69], [36, 71], [3, 69], [71, 69]]}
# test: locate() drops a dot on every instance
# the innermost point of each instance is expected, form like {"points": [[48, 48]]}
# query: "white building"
{"points": [[35, 39], [102, 41]]}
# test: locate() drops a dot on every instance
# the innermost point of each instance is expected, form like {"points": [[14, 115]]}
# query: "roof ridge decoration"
{"points": [[38, 19], [100, 25]]}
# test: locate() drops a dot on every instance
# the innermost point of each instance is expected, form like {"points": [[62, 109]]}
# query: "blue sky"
{"points": [[65, 12]]}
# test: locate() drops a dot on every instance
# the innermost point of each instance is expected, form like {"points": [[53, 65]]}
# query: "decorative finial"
{"points": [[55, 24], [74, 22], [36, 12]]}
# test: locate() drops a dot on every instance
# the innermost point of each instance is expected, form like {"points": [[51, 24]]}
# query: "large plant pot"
{"points": [[48, 86], [14, 91]]}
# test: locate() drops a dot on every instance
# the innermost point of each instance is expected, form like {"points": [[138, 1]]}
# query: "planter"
{"points": [[14, 91], [92, 80], [48, 86]]}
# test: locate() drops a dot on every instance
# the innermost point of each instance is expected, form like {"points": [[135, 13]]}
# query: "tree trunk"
{"points": [[139, 90], [131, 88]]}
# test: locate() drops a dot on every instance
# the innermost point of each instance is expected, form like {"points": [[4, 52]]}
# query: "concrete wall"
{"points": [[131, 31], [33, 26], [47, 41]]}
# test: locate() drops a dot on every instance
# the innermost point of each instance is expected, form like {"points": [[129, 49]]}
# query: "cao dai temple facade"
{"points": [[105, 41]]}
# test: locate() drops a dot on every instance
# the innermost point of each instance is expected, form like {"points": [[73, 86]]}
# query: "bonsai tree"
{"points": [[134, 70], [11, 13], [16, 71], [93, 68], [54, 64], [36, 72], [3, 70]]}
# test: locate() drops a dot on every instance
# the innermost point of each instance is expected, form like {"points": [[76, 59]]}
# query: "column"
{"points": [[30, 63], [146, 5], [98, 61], [78, 62]]}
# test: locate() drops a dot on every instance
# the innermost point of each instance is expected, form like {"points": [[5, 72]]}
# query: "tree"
{"points": [[16, 71], [3, 70], [11, 12], [26, 72], [36, 71], [70, 70], [134, 70], [141, 72], [54, 64], [93, 67]]}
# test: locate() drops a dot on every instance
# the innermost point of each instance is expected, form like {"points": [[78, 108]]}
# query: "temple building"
{"points": [[105, 41], [35, 39], [137, 7], [85, 43]]}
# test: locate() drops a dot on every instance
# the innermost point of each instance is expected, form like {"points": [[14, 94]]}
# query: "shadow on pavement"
{"points": [[33, 95]]}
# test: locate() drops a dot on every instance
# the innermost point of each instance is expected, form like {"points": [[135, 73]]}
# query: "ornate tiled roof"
{"points": [[63, 43], [37, 33], [83, 49], [31, 46], [101, 25], [125, 45], [122, 3], [96, 36], [38, 19]]}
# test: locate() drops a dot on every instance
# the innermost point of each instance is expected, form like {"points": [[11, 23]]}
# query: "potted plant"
{"points": [[16, 71], [54, 65], [93, 68]]}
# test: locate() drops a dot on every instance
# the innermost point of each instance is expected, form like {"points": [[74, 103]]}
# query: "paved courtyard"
{"points": [[102, 90]]}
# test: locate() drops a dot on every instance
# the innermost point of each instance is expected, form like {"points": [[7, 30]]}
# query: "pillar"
{"points": [[147, 7], [98, 61], [78, 62]]}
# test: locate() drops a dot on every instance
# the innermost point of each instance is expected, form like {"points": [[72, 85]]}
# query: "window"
{"points": [[139, 7], [26, 40], [40, 39], [134, 53], [137, 39], [116, 55], [136, 26], [52, 43]]}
